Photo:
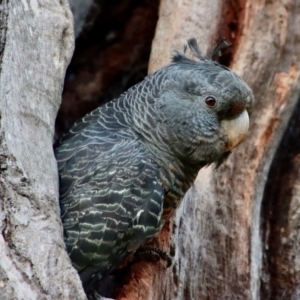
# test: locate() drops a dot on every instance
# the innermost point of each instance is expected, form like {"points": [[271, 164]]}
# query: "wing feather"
{"points": [[111, 200]]}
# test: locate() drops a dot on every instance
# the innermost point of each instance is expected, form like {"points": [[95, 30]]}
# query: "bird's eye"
{"points": [[210, 101]]}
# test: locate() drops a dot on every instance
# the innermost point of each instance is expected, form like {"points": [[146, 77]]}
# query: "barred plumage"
{"points": [[125, 167]]}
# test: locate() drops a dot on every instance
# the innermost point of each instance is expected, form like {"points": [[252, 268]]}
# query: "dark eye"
{"points": [[210, 101]]}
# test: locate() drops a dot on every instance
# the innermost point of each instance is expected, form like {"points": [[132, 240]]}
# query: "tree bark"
{"points": [[36, 44]]}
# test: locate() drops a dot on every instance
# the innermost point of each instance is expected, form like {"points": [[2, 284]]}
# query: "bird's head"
{"points": [[201, 108]]}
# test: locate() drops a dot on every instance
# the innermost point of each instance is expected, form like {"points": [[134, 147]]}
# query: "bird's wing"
{"points": [[111, 200]]}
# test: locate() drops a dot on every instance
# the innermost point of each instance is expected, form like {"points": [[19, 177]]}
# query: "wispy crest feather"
{"points": [[197, 53]]}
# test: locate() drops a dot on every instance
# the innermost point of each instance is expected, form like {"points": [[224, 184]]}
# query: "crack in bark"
{"points": [[3, 26], [278, 276]]}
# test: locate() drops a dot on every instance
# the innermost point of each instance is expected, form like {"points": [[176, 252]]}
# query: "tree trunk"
{"points": [[36, 43], [235, 234]]}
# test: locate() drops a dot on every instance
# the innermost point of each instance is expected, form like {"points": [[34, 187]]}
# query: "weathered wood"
{"points": [[37, 48]]}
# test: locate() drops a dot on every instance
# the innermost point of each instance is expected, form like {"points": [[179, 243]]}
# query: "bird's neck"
{"points": [[176, 176]]}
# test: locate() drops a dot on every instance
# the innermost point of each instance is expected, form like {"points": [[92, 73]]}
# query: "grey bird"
{"points": [[125, 167]]}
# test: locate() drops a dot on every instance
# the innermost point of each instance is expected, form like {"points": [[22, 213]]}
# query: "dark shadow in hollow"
{"points": [[277, 280], [111, 55]]}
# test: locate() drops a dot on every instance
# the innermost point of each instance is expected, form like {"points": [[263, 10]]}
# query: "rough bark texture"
{"points": [[35, 52]]}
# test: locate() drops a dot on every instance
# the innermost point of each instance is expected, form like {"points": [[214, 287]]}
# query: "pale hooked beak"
{"points": [[236, 130]]}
